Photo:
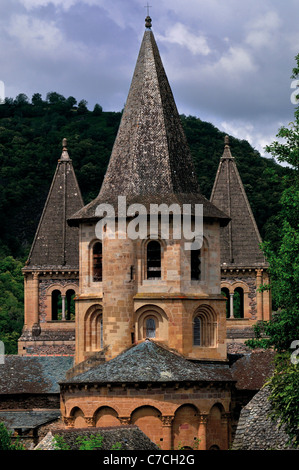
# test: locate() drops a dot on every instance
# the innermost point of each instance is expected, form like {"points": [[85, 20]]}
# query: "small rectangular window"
{"points": [[97, 262], [195, 265]]}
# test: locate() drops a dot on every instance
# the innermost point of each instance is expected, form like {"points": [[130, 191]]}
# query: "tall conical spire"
{"points": [[150, 159], [56, 244], [240, 239]]}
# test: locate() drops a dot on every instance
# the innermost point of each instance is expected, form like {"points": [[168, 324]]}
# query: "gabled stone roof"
{"points": [[28, 419], [129, 437], [256, 430], [55, 245], [33, 374], [240, 239], [149, 362], [252, 371], [151, 161]]}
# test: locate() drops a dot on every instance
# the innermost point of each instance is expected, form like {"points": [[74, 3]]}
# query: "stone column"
{"points": [[225, 420], [35, 305], [231, 305], [63, 307], [202, 432], [267, 301], [259, 295], [167, 432]]}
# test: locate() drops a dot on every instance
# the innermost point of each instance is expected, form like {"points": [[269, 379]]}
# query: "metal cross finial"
{"points": [[148, 7]]}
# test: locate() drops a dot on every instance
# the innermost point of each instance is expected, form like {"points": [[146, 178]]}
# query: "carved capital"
{"points": [[124, 420], [69, 421], [167, 420], [89, 420], [203, 418]]}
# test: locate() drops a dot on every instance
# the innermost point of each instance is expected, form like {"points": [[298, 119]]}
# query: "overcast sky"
{"points": [[229, 62]]}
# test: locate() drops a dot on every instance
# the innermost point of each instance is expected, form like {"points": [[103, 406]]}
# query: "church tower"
{"points": [[51, 273], [132, 287], [243, 265], [150, 317]]}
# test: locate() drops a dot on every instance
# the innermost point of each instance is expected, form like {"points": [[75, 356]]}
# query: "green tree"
{"points": [[283, 329], [11, 303], [92, 442], [7, 442]]}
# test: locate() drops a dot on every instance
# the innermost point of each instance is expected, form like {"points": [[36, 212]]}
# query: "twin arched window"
{"points": [[63, 306], [234, 307]]}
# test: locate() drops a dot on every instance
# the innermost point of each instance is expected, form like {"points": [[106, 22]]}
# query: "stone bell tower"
{"points": [[244, 268], [130, 289], [150, 317], [51, 273]]}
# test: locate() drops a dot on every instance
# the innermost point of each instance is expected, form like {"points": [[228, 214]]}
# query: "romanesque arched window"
{"points": [[150, 327], [56, 301], [197, 331], [70, 304], [93, 329], [97, 262], [205, 327], [153, 267], [225, 293], [239, 303]]}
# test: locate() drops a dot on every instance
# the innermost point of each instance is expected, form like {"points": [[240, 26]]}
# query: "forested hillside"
{"points": [[31, 132], [30, 145]]}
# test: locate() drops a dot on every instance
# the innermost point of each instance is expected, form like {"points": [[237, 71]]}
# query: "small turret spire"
{"points": [[227, 152], [64, 155]]}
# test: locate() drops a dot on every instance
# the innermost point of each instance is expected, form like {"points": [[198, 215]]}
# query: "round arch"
{"points": [[106, 416], [56, 301], [186, 426], [149, 419], [238, 302], [204, 323], [154, 262], [78, 416], [217, 428], [93, 328], [159, 317]]}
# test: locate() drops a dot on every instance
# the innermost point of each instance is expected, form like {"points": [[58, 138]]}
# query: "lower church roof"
{"points": [[150, 362], [33, 374]]}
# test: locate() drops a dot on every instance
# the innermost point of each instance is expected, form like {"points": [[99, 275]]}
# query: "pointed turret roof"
{"points": [[151, 160], [55, 245], [240, 239]]}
